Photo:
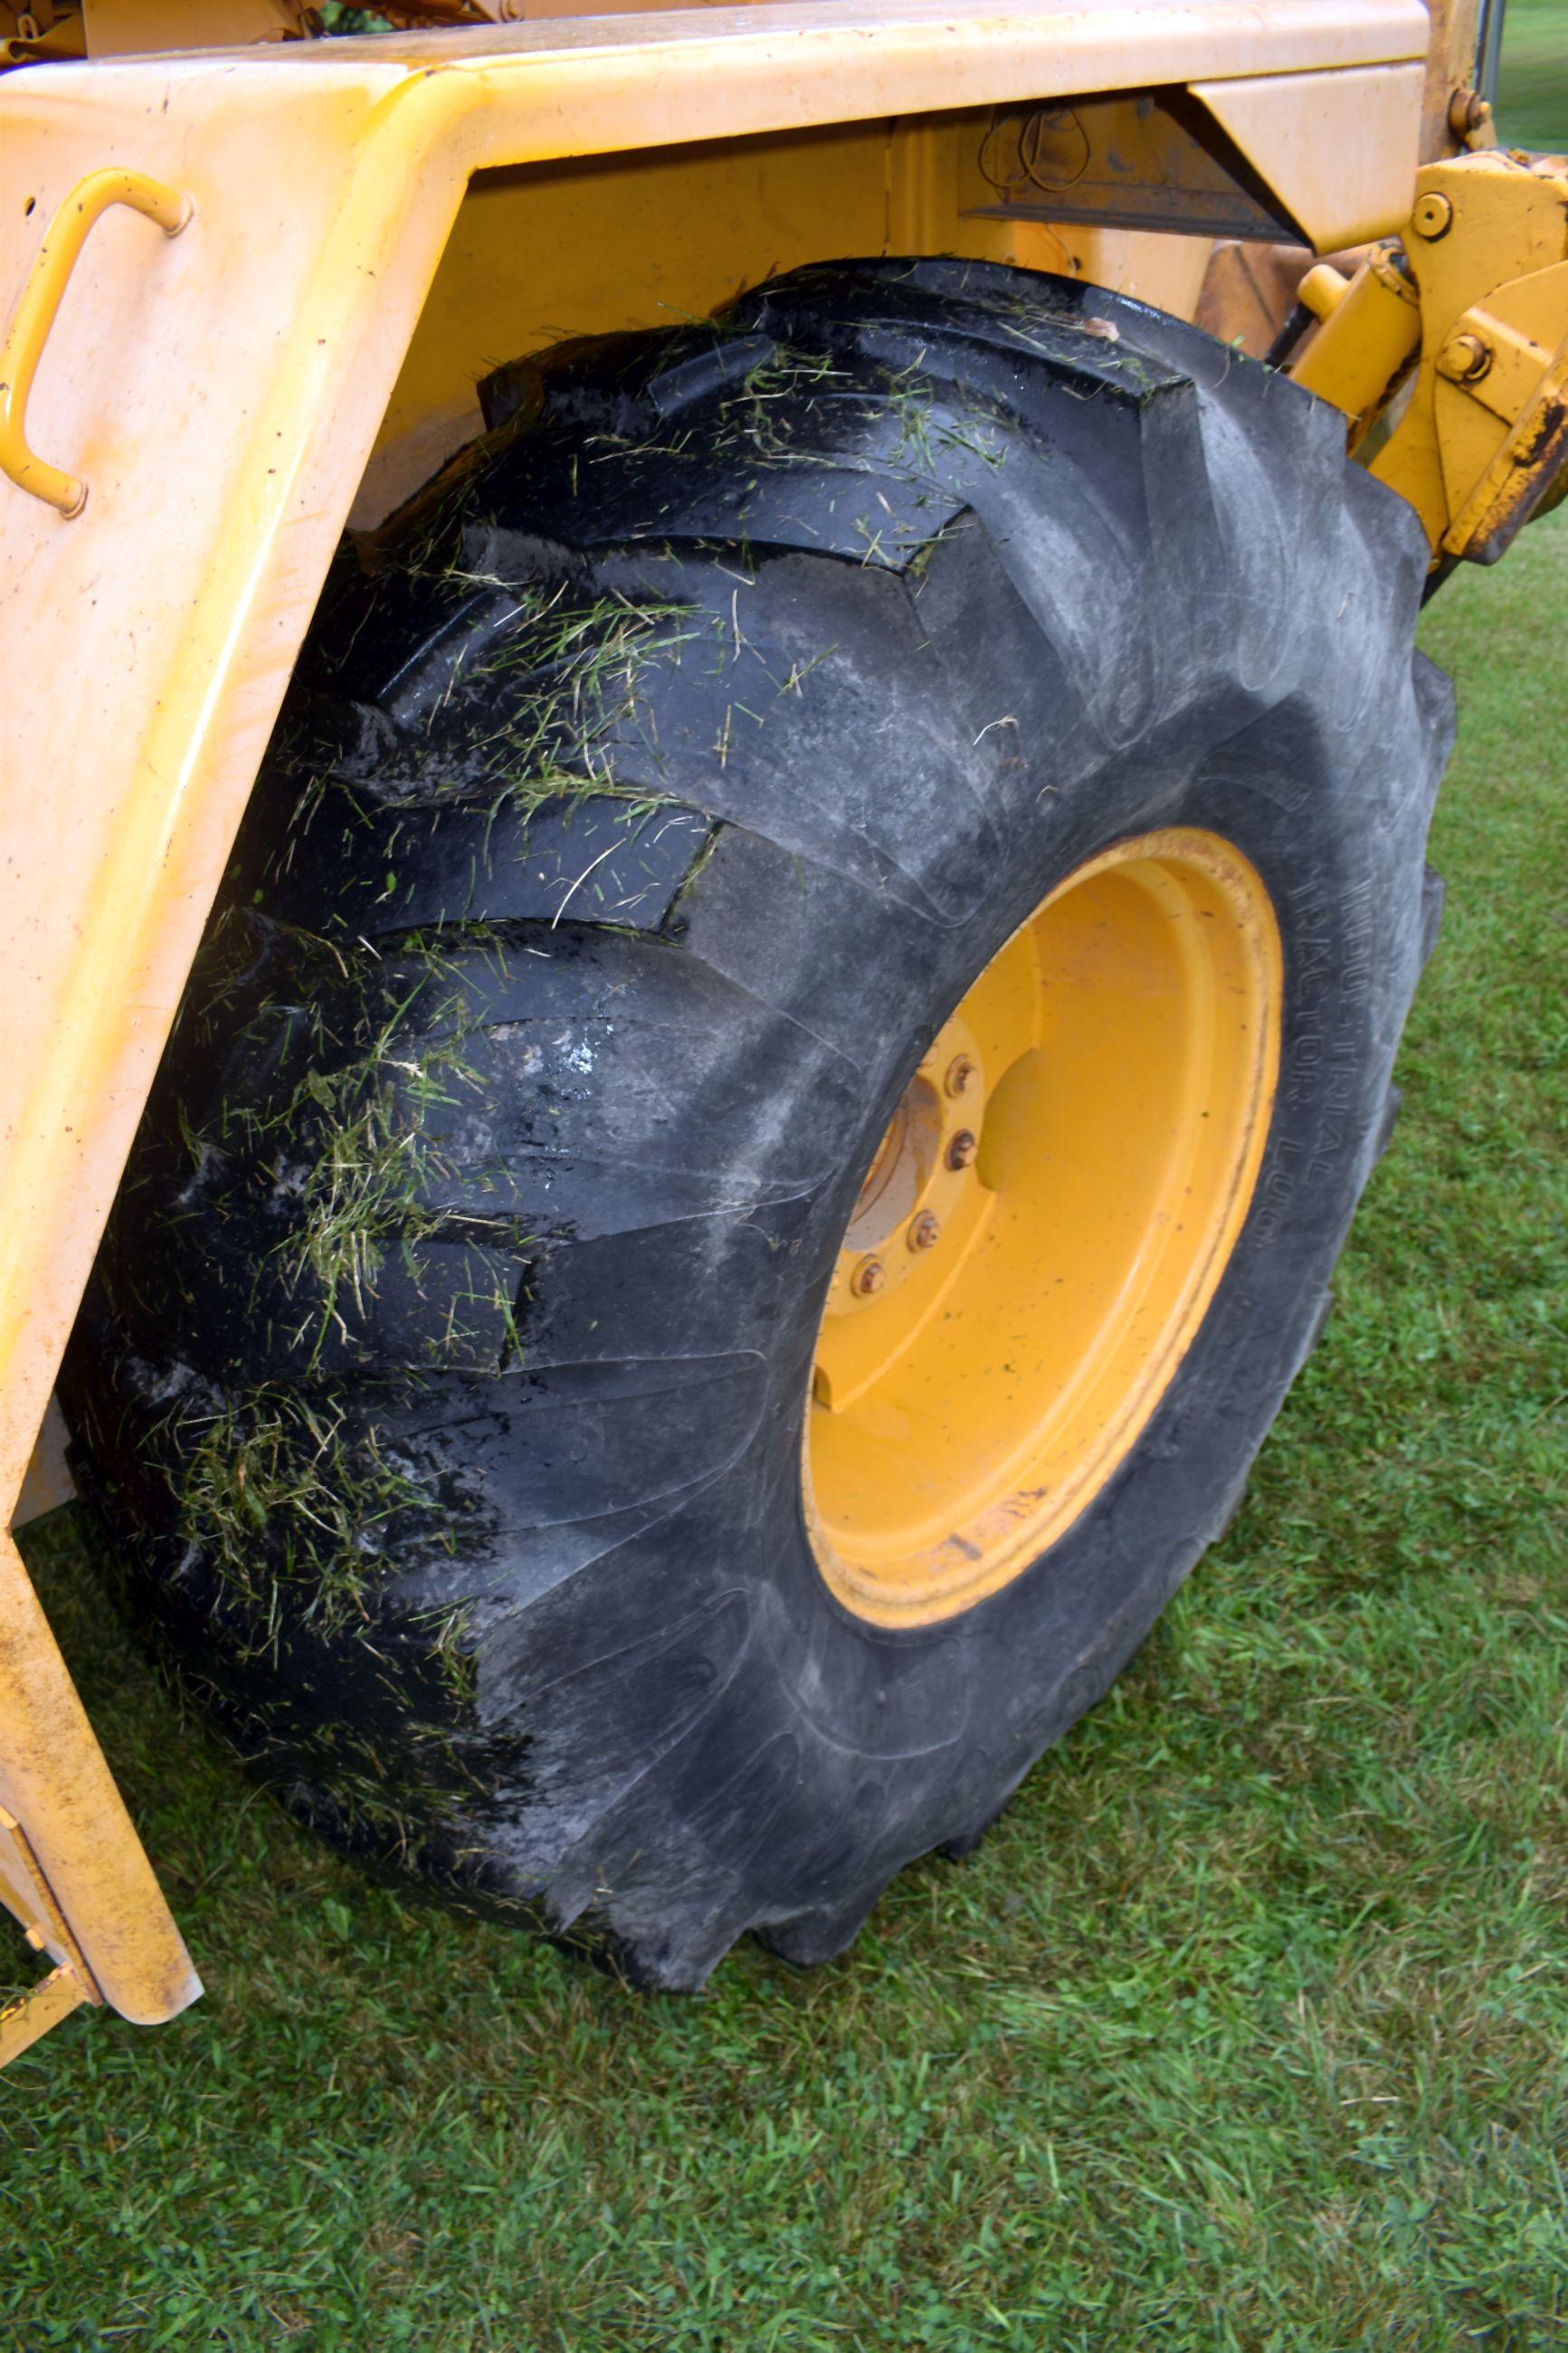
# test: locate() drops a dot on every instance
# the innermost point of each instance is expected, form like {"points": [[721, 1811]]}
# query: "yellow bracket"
{"points": [[25, 1892], [26, 2020], [39, 306], [1473, 300]]}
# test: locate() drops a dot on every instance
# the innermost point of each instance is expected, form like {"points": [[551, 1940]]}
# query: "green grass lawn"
{"points": [[1244, 2028], [1532, 86]]}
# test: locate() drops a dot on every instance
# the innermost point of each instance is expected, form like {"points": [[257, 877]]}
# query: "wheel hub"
{"points": [[1043, 1226], [917, 1210]]}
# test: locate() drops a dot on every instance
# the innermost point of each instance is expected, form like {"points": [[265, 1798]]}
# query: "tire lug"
{"points": [[960, 1075], [962, 1152], [868, 1278], [923, 1231]]}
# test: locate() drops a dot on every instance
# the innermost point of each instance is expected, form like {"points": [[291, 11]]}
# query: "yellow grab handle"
{"points": [[40, 303]]}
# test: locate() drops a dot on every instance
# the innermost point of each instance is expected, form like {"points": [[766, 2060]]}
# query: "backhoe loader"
{"points": [[714, 820]]}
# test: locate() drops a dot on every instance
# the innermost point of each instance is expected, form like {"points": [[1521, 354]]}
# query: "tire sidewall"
{"points": [[983, 1691]]}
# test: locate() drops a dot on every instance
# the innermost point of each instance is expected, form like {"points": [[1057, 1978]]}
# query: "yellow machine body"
{"points": [[249, 294], [1467, 318]]}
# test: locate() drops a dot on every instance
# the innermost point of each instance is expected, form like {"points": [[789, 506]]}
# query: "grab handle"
{"points": [[35, 314]]}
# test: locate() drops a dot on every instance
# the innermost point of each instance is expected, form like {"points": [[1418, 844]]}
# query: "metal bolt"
{"points": [[961, 1075], [1464, 359], [1469, 116], [962, 1151], [1433, 216], [868, 1277], [924, 1230]]}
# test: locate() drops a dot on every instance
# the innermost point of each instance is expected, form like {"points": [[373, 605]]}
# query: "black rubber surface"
{"points": [[631, 827]]}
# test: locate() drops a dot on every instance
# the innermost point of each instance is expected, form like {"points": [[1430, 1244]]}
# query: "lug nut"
{"points": [[962, 1151], [868, 1277], [961, 1075], [1465, 359], [1433, 216], [924, 1230]]}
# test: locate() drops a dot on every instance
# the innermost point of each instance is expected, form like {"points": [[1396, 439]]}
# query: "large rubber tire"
{"points": [[633, 825]]}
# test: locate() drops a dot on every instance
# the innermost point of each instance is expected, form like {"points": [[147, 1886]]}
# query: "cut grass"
{"points": [[278, 1459], [1533, 80], [1244, 2030]]}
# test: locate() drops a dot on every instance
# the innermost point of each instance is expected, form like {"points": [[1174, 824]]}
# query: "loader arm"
{"points": [[196, 381]]}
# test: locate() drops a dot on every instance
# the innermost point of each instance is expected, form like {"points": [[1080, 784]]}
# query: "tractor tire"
{"points": [[797, 1022]]}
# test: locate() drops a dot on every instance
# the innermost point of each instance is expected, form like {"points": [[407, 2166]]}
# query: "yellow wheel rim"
{"points": [[1043, 1228]]}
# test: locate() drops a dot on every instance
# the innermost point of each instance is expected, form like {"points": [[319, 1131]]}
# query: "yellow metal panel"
{"points": [[23, 2021], [1028, 47], [27, 1896], [156, 388], [1137, 159], [54, 1781], [49, 1481], [1451, 67], [1167, 271], [122, 632], [1339, 149]]}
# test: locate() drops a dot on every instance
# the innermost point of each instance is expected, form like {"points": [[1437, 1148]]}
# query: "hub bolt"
{"points": [[868, 1277], [924, 1230], [961, 1075], [1465, 359], [962, 1151], [1433, 216]]}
